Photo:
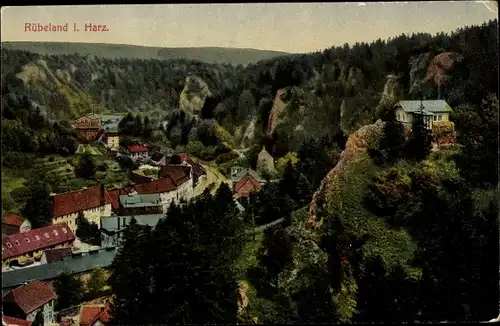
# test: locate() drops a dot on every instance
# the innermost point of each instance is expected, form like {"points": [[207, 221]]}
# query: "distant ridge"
{"points": [[206, 54]]}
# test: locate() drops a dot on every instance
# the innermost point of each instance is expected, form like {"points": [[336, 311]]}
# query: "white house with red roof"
{"points": [[13, 223], [93, 202], [138, 150], [23, 247], [25, 301]]}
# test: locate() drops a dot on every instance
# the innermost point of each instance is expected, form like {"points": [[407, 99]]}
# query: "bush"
{"points": [[51, 159], [226, 157]]}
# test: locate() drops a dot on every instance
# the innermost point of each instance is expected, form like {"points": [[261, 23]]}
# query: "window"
{"points": [[435, 118], [37, 237], [17, 243], [46, 235], [439, 117], [64, 230], [27, 240], [55, 233], [9, 245]]}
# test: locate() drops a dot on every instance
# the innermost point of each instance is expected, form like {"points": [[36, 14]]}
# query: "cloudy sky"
{"points": [[292, 27]]}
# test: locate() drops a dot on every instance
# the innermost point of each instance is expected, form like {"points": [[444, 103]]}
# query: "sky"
{"points": [[289, 27]]}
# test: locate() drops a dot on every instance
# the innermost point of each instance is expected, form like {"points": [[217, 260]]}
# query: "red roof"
{"points": [[91, 314], [21, 243], [54, 255], [137, 148], [115, 194], [178, 173], [13, 219], [198, 170], [184, 157], [31, 296], [11, 321], [242, 191], [80, 200], [155, 186]]}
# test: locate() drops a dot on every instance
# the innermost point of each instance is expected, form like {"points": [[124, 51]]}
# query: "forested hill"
{"points": [[206, 54], [333, 92]]}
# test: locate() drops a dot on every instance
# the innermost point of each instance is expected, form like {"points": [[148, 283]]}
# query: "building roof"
{"points": [[155, 186], [31, 296], [137, 148], [58, 254], [21, 243], [77, 263], [12, 321], [80, 200], [13, 219], [89, 314], [178, 173], [110, 223], [157, 156], [248, 178], [198, 170], [241, 173], [431, 106], [115, 194], [145, 200]]}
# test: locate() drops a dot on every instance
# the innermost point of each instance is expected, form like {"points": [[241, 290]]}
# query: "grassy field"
{"points": [[12, 185], [88, 149]]}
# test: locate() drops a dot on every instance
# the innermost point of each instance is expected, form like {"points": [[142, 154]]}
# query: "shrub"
{"points": [[226, 157]]}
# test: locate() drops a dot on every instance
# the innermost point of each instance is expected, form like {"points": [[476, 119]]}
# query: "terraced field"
{"points": [[88, 149], [57, 170]]}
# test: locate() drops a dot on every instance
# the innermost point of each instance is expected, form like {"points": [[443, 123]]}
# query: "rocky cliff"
{"points": [[276, 111]]}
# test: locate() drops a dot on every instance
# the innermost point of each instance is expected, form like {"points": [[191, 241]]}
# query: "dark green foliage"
{"points": [[393, 141], [38, 319], [86, 168], [276, 253], [69, 290], [419, 145], [87, 232], [130, 277], [477, 128], [188, 278], [39, 204]]}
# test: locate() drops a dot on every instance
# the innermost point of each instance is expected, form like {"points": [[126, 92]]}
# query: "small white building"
{"points": [[431, 110]]}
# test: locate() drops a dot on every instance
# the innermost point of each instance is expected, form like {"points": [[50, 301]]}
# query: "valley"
{"points": [[357, 184]]}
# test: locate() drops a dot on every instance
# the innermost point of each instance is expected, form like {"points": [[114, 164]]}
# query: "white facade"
{"points": [[113, 142], [92, 215], [407, 117], [48, 313], [184, 191]]}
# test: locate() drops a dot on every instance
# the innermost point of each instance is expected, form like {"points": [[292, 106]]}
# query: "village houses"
{"points": [[95, 315], [87, 128], [13, 223], [138, 150], [27, 300], [53, 255], [22, 248], [92, 202], [245, 182]]}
